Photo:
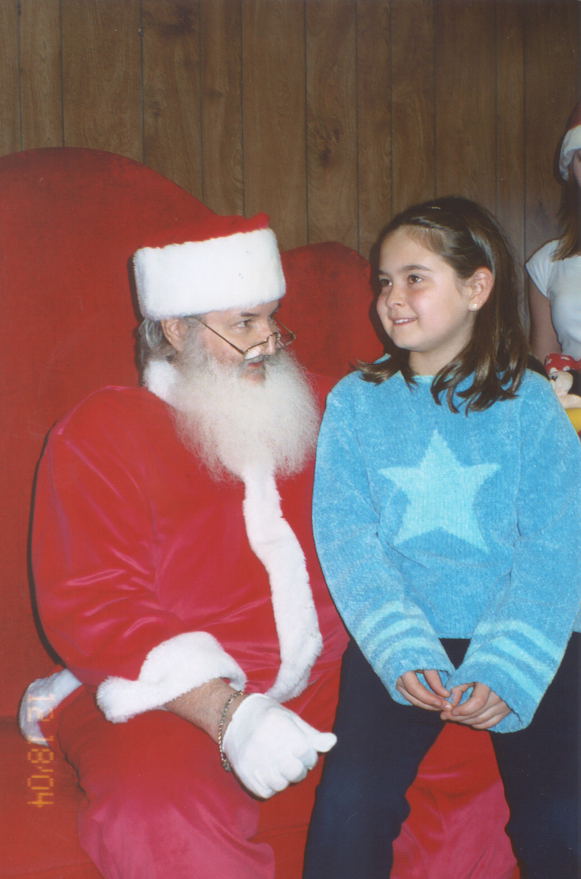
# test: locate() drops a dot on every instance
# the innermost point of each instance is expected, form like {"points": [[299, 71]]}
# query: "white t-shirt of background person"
{"points": [[560, 282]]}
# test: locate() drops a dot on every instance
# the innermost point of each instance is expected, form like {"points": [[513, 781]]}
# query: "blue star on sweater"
{"points": [[441, 493]]}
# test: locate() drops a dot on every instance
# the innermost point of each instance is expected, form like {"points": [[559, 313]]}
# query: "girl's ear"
{"points": [[175, 330], [479, 288]]}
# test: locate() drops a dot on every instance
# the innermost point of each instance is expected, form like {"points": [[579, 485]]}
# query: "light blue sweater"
{"points": [[431, 524]]}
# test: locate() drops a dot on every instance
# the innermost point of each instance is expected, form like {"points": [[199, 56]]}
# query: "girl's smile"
{"points": [[423, 306]]}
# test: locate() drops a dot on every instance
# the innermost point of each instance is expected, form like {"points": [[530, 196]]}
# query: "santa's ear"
{"points": [[479, 287], [175, 330]]}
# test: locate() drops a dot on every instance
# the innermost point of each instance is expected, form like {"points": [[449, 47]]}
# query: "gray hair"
{"points": [[152, 343]]}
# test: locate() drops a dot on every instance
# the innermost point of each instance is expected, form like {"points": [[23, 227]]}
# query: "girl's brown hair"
{"points": [[467, 238]]}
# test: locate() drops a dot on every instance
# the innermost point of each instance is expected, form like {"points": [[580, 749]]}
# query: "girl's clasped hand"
{"points": [[482, 710]]}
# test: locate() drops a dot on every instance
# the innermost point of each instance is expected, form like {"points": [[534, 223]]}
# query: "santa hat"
{"points": [[213, 264], [571, 141]]}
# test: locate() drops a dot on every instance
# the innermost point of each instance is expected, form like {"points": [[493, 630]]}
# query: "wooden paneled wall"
{"points": [[328, 114]]}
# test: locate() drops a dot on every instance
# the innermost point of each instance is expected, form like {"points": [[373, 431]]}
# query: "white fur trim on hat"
{"points": [[571, 143], [169, 670], [234, 271]]}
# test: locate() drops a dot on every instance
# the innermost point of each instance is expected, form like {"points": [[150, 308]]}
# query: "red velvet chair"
{"points": [[69, 221]]}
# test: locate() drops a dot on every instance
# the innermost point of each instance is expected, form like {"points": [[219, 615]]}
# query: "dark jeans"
{"points": [[361, 805]]}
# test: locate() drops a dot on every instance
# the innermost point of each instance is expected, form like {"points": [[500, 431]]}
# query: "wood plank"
{"points": [[413, 95], [171, 91], [373, 120], [40, 74], [510, 133], [273, 89], [551, 91], [9, 93], [332, 121], [102, 75], [221, 71], [465, 100]]}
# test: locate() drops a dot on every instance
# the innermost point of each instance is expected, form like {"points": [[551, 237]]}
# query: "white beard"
{"points": [[233, 424]]}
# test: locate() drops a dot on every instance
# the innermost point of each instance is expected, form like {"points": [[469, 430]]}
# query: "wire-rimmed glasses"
{"points": [[282, 339]]}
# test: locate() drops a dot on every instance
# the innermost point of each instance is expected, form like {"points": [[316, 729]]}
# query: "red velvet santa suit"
{"points": [[135, 544], [147, 587]]}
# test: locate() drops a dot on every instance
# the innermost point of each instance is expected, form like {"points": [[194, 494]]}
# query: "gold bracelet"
{"points": [[223, 758]]}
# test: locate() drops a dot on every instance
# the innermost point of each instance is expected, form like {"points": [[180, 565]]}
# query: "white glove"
{"points": [[269, 746]]}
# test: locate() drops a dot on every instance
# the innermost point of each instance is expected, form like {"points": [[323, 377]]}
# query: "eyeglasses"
{"points": [[281, 340]]}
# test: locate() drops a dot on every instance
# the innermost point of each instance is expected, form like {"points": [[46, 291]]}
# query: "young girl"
{"points": [[447, 513]]}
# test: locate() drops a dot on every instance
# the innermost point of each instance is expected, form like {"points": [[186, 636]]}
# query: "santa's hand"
{"points": [[269, 746]]}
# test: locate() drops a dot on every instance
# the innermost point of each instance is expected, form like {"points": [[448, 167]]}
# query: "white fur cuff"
{"points": [[171, 669], [40, 699]]}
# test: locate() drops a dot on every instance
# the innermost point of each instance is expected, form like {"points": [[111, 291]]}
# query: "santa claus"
{"points": [[176, 575]]}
